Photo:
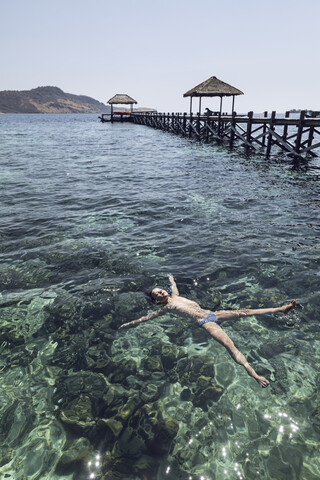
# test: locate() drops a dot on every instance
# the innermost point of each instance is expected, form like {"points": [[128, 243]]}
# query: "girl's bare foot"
{"points": [[263, 382], [287, 308]]}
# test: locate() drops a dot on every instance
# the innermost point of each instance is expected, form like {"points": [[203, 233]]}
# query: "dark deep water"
{"points": [[91, 216]]}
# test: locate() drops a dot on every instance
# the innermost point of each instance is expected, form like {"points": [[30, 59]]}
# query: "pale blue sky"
{"points": [[156, 50]]}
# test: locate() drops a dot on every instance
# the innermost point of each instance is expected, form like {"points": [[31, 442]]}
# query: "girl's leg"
{"points": [[223, 315], [220, 335]]}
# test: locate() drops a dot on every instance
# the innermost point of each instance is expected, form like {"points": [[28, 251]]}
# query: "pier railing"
{"points": [[297, 136]]}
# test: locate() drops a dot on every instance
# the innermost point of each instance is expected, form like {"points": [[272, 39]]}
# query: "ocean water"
{"points": [[92, 215]]}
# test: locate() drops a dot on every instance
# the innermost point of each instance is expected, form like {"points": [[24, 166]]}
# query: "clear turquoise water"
{"points": [[91, 216]]}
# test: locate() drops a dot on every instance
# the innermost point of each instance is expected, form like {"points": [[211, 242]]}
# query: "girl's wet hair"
{"points": [[149, 296]]}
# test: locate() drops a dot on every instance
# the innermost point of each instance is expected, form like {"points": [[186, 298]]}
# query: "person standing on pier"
{"points": [[210, 321]]}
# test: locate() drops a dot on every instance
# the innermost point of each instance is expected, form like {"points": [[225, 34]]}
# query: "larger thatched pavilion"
{"points": [[123, 99], [213, 87]]}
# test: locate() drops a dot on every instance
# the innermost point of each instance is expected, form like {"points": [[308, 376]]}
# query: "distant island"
{"points": [[48, 100]]}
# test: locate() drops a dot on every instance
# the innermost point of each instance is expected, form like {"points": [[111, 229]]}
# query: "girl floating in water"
{"points": [[208, 320]]}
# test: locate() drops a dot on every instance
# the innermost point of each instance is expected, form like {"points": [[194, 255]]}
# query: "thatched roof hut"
{"points": [[213, 87], [121, 98]]}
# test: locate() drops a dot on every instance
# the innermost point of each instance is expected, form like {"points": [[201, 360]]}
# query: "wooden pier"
{"points": [[297, 136], [116, 117]]}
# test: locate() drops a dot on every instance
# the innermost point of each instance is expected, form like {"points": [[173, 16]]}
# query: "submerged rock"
{"points": [[191, 368], [115, 426], [17, 356], [78, 414], [185, 395], [23, 321], [169, 355], [151, 392], [74, 458], [177, 333], [196, 373], [281, 384], [284, 462], [146, 437], [27, 274], [153, 364], [88, 383], [277, 346], [6, 455], [16, 422], [146, 467], [123, 370], [205, 397], [315, 418], [97, 359], [64, 312], [81, 394]]}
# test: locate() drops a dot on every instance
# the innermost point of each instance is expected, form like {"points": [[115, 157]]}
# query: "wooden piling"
{"points": [[264, 129], [233, 128], [249, 128], [300, 131], [271, 129], [285, 127]]}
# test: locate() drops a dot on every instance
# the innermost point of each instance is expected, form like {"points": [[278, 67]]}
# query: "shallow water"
{"points": [[94, 214]]}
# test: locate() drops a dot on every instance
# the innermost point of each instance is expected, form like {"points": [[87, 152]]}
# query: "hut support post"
{"points": [[219, 120]]}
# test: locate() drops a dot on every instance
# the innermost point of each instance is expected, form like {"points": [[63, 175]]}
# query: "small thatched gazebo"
{"points": [[213, 87], [121, 98]]}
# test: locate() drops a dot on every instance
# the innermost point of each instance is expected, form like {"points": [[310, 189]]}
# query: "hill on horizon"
{"points": [[48, 100]]}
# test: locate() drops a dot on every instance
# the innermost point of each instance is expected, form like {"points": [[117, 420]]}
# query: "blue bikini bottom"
{"points": [[210, 318]]}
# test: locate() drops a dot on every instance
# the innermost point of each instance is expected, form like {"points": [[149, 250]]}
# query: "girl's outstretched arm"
{"points": [[150, 316], [175, 291]]}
